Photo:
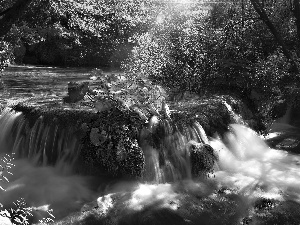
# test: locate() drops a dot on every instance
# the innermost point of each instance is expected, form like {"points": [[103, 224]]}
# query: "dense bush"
{"points": [[5, 54], [218, 48], [78, 33], [21, 213], [201, 47]]}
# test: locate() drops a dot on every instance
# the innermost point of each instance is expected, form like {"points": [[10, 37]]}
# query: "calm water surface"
{"points": [[37, 84]]}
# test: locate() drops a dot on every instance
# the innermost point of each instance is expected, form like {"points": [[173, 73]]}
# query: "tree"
{"points": [[11, 15], [296, 11], [80, 33], [260, 10]]}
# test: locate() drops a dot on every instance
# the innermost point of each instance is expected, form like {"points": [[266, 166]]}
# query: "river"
{"points": [[251, 184]]}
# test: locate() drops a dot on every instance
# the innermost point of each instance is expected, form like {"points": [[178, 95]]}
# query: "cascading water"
{"points": [[247, 163], [236, 117], [170, 158], [44, 176], [35, 149], [47, 143], [47, 152]]}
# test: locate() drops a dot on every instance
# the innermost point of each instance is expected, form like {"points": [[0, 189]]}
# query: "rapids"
{"points": [[246, 166]]}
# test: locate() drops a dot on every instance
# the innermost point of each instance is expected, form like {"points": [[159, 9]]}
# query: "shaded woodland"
{"points": [[248, 48]]}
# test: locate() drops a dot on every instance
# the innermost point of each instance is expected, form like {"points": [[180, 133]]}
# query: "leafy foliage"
{"points": [[5, 54], [5, 167], [127, 90], [79, 33], [21, 213], [219, 48]]}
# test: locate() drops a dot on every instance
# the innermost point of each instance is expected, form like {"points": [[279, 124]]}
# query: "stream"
{"points": [[247, 174]]}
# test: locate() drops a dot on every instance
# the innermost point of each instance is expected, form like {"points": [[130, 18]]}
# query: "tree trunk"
{"points": [[11, 15], [296, 12], [261, 12]]}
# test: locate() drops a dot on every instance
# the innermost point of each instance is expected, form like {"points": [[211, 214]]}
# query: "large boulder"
{"points": [[203, 158], [112, 142], [76, 92], [98, 142]]}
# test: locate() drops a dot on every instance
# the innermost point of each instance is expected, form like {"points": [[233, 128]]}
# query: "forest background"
{"points": [[249, 49]]}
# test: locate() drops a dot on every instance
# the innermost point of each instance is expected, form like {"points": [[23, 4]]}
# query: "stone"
{"points": [[96, 136], [203, 158], [76, 92]]}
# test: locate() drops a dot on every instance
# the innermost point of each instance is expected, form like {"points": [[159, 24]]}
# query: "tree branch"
{"points": [[260, 10]]}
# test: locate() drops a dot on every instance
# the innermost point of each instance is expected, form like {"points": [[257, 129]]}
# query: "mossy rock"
{"points": [[212, 114], [118, 153], [111, 138], [203, 158], [110, 143], [269, 212]]}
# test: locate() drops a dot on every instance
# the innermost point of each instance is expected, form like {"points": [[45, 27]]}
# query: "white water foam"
{"points": [[246, 164]]}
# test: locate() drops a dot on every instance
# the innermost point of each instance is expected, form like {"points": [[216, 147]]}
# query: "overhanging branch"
{"points": [[260, 10]]}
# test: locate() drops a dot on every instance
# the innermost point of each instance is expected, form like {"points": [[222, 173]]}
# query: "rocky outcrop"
{"points": [[112, 143], [112, 139], [76, 92], [107, 141], [212, 114], [203, 158]]}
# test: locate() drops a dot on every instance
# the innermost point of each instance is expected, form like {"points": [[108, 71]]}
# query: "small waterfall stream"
{"points": [[170, 159], [44, 165], [45, 172], [47, 143]]}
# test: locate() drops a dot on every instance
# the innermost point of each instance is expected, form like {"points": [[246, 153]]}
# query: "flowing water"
{"points": [[42, 84], [45, 176], [40, 180], [249, 165]]}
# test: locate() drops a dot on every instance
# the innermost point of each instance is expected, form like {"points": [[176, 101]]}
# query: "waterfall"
{"points": [[46, 142], [247, 170], [236, 117], [44, 165], [249, 165], [168, 159], [46, 155]]}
